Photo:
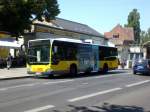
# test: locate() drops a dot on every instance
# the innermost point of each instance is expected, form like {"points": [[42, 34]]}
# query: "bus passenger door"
{"points": [[84, 57], [95, 58]]}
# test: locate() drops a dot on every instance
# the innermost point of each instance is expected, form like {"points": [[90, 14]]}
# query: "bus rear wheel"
{"points": [[73, 70]]}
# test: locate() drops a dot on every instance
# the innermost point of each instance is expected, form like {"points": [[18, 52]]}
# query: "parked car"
{"points": [[142, 66]]}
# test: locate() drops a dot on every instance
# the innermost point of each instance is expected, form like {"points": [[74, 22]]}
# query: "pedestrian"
{"points": [[9, 61]]}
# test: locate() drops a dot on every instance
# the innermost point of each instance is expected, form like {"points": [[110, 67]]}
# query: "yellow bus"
{"points": [[61, 55]]}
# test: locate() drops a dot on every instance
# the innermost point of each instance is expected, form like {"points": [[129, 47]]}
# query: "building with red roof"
{"points": [[123, 38]]}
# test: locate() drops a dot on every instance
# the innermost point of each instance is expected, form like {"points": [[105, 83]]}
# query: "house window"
{"points": [[116, 36]]}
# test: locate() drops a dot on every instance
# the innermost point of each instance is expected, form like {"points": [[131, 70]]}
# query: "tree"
{"points": [[134, 21], [145, 36], [17, 15]]}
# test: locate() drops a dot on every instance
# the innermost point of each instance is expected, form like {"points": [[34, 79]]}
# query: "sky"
{"points": [[104, 15]]}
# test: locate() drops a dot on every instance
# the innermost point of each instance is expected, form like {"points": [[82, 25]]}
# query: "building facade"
{"points": [[61, 28], [123, 38], [3, 50], [9, 44], [146, 47]]}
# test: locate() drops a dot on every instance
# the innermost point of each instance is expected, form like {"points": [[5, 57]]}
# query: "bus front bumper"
{"points": [[47, 73]]}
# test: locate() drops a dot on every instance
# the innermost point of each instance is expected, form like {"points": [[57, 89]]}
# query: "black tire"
{"points": [[105, 68], [73, 70], [50, 76], [134, 72]]}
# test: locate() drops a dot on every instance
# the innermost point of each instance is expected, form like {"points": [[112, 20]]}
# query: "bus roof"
{"points": [[70, 40], [60, 39]]}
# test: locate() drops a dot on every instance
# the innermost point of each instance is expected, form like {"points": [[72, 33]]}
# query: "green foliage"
{"points": [[145, 36], [134, 21], [17, 15]]}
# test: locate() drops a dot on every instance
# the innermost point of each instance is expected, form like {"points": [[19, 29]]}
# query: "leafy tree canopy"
{"points": [[17, 15], [145, 36], [134, 21]]}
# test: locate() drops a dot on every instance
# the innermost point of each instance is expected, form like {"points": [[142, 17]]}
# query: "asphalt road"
{"points": [[117, 91]]}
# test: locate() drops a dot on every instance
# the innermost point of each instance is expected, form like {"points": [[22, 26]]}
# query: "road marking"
{"points": [[94, 94], [105, 76], [13, 87], [24, 85], [138, 83], [85, 83], [33, 84], [3, 89], [40, 108], [46, 83]]}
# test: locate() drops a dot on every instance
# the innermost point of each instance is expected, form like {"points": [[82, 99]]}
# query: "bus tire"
{"points": [[50, 76], [73, 70], [105, 68]]}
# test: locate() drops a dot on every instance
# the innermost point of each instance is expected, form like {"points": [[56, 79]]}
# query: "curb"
{"points": [[13, 78]]}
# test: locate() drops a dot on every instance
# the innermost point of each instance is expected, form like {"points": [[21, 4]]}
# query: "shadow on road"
{"points": [[69, 76], [139, 74], [105, 108]]}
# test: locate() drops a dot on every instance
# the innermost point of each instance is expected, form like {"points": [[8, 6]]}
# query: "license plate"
{"points": [[38, 73], [39, 69]]}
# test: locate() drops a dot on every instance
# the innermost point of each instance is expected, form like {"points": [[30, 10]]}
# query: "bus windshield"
{"points": [[39, 52]]}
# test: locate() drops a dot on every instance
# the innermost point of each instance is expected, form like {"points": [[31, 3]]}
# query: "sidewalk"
{"points": [[13, 73]]}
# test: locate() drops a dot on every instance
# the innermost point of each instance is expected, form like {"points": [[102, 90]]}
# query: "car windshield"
{"points": [[142, 62]]}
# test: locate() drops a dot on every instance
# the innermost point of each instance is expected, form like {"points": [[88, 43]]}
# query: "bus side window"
{"points": [[55, 53], [55, 49], [59, 50], [101, 54], [71, 54]]}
